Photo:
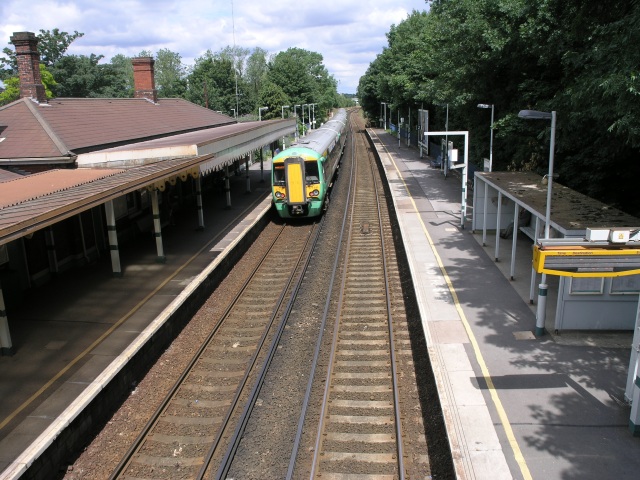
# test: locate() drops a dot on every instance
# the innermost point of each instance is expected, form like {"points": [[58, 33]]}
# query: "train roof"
{"points": [[320, 139]]}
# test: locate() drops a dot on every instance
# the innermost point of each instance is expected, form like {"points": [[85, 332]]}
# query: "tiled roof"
{"points": [[76, 125]]}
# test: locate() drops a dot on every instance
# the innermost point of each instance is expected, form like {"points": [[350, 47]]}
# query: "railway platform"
{"points": [[515, 405], [71, 335]]}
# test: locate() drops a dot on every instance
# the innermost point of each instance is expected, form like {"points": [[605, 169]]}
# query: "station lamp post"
{"points": [[313, 110], [260, 112], [304, 105], [283, 107], [485, 105], [385, 114], [542, 292], [295, 114]]}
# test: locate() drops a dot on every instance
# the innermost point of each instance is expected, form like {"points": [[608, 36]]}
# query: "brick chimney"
{"points": [[143, 81], [28, 58]]}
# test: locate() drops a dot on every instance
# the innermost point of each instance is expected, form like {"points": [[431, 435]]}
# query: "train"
{"points": [[302, 174]]}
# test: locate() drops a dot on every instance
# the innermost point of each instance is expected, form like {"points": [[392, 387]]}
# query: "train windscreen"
{"points": [[311, 172]]}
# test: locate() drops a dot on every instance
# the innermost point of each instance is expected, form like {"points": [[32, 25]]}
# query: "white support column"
{"points": [[498, 225], [632, 375], [474, 203], [634, 418], [227, 187], [514, 240], [157, 226], [116, 269], [246, 167], [199, 203], [484, 215], [6, 347], [465, 176], [532, 288]]}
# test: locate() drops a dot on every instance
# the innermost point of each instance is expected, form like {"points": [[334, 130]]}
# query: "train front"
{"points": [[296, 179]]}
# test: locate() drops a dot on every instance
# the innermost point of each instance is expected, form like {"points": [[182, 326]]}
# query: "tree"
{"points": [[256, 71], [304, 79], [273, 97], [212, 83], [169, 74], [52, 45], [12, 86], [84, 77]]}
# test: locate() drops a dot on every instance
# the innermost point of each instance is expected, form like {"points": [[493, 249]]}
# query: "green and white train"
{"points": [[302, 175]]}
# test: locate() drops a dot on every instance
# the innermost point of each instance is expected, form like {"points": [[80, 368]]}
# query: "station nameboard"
{"points": [[587, 260]]}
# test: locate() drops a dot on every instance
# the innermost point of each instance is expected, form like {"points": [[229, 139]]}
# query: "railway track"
{"points": [[195, 423], [360, 429], [311, 370]]}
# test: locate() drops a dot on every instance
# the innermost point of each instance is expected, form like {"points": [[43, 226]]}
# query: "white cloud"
{"points": [[347, 33]]}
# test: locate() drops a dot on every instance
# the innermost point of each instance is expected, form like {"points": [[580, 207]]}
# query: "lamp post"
{"points": [[260, 112], [304, 105], [385, 114], [295, 114], [484, 105], [283, 107], [313, 112], [542, 292]]}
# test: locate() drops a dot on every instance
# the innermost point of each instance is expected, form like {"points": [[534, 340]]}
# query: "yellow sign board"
{"points": [[587, 261]]}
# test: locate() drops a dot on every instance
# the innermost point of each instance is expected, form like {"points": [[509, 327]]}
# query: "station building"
{"points": [[80, 177]]}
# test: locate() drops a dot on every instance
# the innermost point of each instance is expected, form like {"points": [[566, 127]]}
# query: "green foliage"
{"points": [[170, 74], [83, 77], [577, 58], [11, 91], [12, 86], [304, 80], [212, 83], [273, 97], [52, 45]]}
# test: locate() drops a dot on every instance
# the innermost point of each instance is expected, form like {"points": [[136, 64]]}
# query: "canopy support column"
{"points": [[532, 288], [6, 347], [514, 240], [199, 203], [498, 226], [157, 226], [484, 215], [50, 241], [116, 269], [246, 168], [227, 187]]}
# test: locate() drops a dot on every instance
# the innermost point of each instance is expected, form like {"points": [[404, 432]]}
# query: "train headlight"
{"points": [[314, 193], [279, 195]]}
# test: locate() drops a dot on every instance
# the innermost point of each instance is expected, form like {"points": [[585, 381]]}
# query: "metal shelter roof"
{"points": [[571, 212]]}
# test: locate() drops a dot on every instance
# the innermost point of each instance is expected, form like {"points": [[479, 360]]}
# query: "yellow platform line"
{"points": [[504, 420]]}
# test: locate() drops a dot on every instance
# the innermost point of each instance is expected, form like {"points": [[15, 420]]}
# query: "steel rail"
{"points": [[334, 342], [138, 442], [227, 461], [325, 316], [392, 351], [315, 464]]}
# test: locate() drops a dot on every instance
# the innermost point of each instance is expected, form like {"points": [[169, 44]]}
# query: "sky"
{"points": [[349, 34]]}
